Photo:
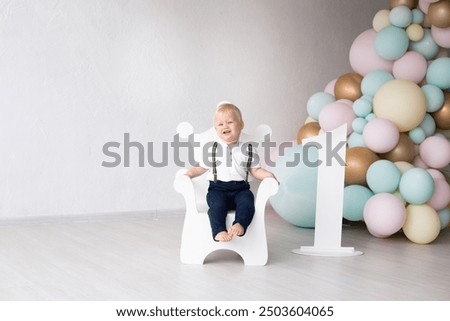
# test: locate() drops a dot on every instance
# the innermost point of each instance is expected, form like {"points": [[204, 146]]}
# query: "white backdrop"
{"points": [[76, 74]]}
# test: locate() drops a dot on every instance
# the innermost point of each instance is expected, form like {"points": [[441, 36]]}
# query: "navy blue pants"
{"points": [[227, 196]]}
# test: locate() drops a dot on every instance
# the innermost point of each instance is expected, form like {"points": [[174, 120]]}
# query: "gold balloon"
{"points": [[442, 116], [310, 129], [358, 160], [348, 86], [439, 13], [404, 151], [411, 4]]}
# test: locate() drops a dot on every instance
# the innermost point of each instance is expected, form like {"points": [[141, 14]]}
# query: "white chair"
{"points": [[196, 240]]}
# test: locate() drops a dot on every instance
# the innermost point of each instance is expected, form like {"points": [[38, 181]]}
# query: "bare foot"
{"points": [[236, 230], [223, 237]]}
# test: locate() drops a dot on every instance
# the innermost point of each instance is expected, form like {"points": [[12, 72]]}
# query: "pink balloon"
{"points": [[364, 58], [423, 5], [418, 162], [441, 36], [435, 151], [441, 195], [330, 87], [381, 135], [435, 173], [384, 214], [336, 114], [411, 66]]}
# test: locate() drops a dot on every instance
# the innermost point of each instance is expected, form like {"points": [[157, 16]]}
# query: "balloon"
{"points": [[439, 13], [403, 166], [416, 186], [442, 116], [422, 224], [381, 20], [417, 135], [358, 125], [383, 176], [363, 57], [348, 86], [384, 215], [391, 42], [358, 161], [329, 88], [381, 135], [411, 4], [362, 106], [402, 102], [412, 66], [428, 125], [435, 151], [374, 80], [418, 16], [415, 32], [355, 140], [441, 196], [308, 130], [296, 198], [401, 16], [438, 73], [444, 217], [404, 151], [441, 36], [355, 198], [434, 97], [336, 114], [316, 103], [427, 47]]}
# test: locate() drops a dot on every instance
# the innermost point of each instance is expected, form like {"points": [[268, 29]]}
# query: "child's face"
{"points": [[228, 126]]}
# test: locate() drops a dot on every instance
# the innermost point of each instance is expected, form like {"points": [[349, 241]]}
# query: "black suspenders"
{"points": [[214, 163]]}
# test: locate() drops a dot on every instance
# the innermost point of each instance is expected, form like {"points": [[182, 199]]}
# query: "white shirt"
{"points": [[231, 162]]}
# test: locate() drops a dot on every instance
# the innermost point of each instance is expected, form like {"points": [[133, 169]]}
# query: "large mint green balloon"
{"points": [[383, 176], [355, 198], [374, 80], [438, 73], [427, 47], [416, 186], [296, 197], [391, 42]]}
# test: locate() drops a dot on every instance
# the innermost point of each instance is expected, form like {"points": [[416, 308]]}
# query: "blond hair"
{"points": [[229, 108]]}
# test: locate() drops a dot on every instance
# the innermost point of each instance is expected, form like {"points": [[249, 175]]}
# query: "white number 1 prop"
{"points": [[330, 196]]}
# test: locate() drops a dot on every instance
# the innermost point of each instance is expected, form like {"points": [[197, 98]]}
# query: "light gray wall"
{"points": [[75, 75]]}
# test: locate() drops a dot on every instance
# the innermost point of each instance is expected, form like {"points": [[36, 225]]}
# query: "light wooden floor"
{"points": [[136, 258]]}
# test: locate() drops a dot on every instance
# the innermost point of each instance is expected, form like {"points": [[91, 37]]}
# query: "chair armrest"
{"points": [[268, 187], [183, 185]]}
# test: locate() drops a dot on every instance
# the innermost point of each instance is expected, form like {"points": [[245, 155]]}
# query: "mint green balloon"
{"points": [[428, 125], [356, 140], [438, 73], [391, 42], [427, 47], [383, 176], [362, 106], [355, 198], [374, 80], [296, 197], [417, 135], [416, 186], [401, 16], [434, 97]]}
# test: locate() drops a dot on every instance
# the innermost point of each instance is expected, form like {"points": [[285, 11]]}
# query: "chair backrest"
{"points": [[185, 130]]}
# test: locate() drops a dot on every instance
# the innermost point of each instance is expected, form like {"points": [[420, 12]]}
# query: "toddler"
{"points": [[228, 175]]}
